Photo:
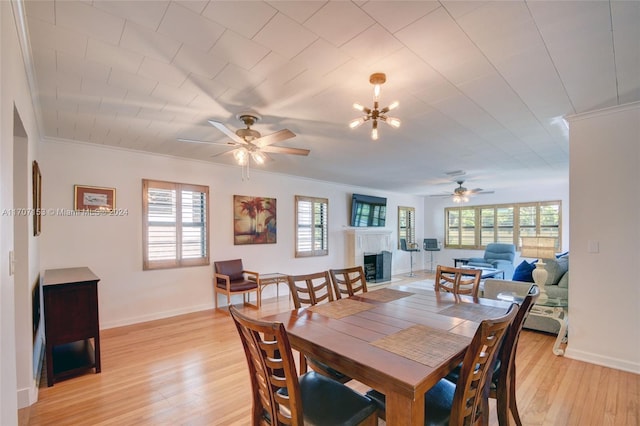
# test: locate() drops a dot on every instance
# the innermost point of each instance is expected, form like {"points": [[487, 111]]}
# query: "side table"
{"points": [[462, 260], [555, 309], [273, 278]]}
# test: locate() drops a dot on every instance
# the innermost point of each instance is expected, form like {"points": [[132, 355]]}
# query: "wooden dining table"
{"points": [[399, 340]]}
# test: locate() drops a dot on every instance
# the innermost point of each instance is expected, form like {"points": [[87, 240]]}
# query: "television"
{"points": [[367, 210]]}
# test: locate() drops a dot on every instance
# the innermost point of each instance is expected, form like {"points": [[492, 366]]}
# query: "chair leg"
{"points": [[303, 363], [513, 404], [215, 297]]}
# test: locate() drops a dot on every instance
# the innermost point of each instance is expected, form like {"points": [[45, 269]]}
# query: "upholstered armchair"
{"points": [[230, 277], [498, 256]]}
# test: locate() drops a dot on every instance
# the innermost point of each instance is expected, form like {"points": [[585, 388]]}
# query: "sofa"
{"points": [[498, 256], [557, 286]]}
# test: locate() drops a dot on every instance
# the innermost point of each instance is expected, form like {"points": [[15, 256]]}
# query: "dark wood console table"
{"points": [[70, 322]]}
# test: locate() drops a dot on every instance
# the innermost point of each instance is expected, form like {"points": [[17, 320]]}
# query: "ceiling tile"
{"points": [[198, 62], [113, 56], [321, 57], [190, 28], [244, 17], [43, 35], [285, 36], [147, 13], [239, 50], [372, 45], [131, 82], [398, 14], [339, 21], [149, 43], [299, 11], [69, 64], [88, 20], [41, 10], [173, 95], [160, 71]]}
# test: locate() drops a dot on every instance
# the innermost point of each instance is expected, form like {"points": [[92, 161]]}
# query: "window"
{"points": [[406, 225], [175, 224], [312, 236], [476, 226]]}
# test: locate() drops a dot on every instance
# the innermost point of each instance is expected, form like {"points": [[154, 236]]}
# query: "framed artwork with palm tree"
{"points": [[254, 220]]}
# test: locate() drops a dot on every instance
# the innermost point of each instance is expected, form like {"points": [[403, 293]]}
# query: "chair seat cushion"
{"points": [[232, 268], [240, 285], [338, 404]]}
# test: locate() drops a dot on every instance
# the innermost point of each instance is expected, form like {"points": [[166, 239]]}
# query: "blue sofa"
{"points": [[498, 256]]}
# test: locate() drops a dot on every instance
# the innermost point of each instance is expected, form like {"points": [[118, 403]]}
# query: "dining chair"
{"points": [[348, 281], [230, 277], [309, 290], [458, 280], [280, 397], [465, 402]]}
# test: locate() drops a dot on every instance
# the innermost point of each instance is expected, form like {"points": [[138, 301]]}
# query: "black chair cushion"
{"points": [[327, 402], [438, 402], [241, 285]]}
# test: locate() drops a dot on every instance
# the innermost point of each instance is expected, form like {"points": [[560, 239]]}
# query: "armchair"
{"points": [[231, 278], [498, 256]]}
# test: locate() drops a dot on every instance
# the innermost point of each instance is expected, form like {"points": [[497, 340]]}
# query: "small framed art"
{"points": [[94, 198]]}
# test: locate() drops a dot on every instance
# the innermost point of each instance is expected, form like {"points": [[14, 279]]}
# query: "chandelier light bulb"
{"points": [[393, 105], [374, 134], [393, 122], [358, 106], [356, 123], [376, 92]]}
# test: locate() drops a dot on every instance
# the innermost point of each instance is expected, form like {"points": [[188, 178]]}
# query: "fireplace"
{"points": [[370, 247], [377, 267]]}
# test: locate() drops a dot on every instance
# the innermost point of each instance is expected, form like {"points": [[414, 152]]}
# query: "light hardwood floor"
{"points": [[191, 370]]}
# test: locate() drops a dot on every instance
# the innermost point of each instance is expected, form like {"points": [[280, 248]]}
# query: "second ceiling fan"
{"points": [[461, 194]]}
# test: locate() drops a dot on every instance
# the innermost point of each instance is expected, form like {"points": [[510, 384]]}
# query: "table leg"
{"points": [[402, 410], [562, 335]]}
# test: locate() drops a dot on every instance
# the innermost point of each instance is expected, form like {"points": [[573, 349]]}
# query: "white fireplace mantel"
{"points": [[366, 241]]}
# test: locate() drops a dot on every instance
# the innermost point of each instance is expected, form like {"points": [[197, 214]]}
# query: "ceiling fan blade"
{"points": [[442, 195], [279, 136], [285, 150], [224, 129], [229, 143]]}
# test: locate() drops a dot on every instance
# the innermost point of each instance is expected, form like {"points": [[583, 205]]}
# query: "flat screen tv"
{"points": [[367, 210]]}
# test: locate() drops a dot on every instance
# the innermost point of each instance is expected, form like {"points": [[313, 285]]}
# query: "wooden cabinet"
{"points": [[72, 330]]}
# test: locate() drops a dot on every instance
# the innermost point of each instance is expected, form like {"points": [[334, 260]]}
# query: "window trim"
{"points": [[515, 227], [313, 252], [178, 262]]}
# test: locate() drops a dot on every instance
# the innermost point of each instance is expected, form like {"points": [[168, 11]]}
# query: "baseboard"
{"points": [[155, 316], [604, 361]]}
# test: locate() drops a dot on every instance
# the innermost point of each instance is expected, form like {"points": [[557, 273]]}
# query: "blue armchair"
{"points": [[499, 256]]}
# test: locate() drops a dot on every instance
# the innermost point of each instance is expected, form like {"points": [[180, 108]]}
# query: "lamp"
{"points": [[375, 114], [539, 248]]}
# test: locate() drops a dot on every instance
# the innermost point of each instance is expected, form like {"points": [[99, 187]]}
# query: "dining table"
{"points": [[400, 340]]}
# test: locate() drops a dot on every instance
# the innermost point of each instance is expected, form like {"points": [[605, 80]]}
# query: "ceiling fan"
{"points": [[250, 144], [461, 194]]}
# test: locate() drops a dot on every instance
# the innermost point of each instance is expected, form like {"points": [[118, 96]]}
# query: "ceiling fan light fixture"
{"points": [[375, 113], [258, 157], [241, 156]]}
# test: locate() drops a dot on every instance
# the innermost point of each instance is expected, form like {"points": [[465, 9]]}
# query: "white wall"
{"points": [[112, 246], [605, 210], [18, 386]]}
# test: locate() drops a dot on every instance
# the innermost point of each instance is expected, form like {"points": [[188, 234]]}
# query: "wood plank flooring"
{"points": [[191, 370]]}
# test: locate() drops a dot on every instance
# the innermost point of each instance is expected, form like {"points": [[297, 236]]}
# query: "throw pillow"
{"points": [[556, 269], [523, 272], [564, 281]]}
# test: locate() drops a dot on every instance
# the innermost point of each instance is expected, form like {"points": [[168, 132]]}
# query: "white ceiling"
{"points": [[482, 86]]}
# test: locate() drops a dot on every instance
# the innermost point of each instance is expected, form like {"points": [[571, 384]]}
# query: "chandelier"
{"points": [[375, 114]]}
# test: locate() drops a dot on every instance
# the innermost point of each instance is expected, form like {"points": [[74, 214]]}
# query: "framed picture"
{"points": [[254, 220], [94, 198], [37, 198]]}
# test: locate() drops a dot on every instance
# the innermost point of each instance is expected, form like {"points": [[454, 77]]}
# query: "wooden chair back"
{"points": [[470, 401], [348, 281], [504, 389], [458, 280], [274, 380], [310, 289]]}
